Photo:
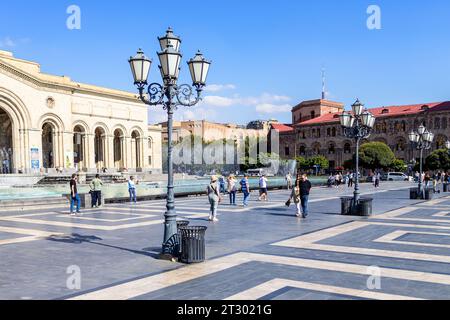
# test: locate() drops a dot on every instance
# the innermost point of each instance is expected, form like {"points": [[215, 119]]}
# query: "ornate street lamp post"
{"points": [[357, 125], [421, 140], [447, 145], [170, 96]]}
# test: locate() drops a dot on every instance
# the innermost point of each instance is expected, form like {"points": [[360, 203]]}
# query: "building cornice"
{"points": [[67, 88]]}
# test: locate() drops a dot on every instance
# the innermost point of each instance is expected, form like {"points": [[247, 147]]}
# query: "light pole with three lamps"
{"points": [[170, 96], [421, 140], [357, 125]]}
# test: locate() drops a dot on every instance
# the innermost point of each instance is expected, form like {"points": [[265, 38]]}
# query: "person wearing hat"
{"points": [[214, 198]]}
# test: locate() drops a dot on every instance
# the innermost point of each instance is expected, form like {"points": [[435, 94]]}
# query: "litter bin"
{"points": [[445, 187], [180, 224], [413, 193], [364, 207], [429, 193], [192, 244], [346, 205]]}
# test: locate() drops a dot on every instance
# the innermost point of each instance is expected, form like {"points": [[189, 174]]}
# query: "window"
{"points": [[329, 132], [313, 114], [150, 143], [149, 160], [333, 132], [347, 148], [286, 151], [437, 123], [331, 149], [302, 150]]}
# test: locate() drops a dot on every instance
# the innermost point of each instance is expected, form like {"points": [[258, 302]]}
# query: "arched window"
{"points": [[302, 150], [347, 148], [331, 149], [313, 114], [333, 132], [437, 123], [329, 132]]}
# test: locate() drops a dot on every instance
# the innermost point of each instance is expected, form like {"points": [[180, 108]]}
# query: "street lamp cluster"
{"points": [[421, 140], [357, 125], [170, 96]]}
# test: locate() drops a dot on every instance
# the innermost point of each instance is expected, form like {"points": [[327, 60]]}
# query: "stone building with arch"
{"points": [[316, 130], [50, 123]]}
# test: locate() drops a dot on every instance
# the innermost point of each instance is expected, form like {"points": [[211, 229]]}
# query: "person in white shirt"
{"points": [[132, 190], [263, 188]]}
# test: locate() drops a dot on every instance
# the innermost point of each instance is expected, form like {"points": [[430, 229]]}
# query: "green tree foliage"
{"points": [[438, 160], [318, 160], [398, 165], [376, 155]]}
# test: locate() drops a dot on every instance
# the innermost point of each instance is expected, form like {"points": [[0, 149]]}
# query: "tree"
{"points": [[302, 163], [376, 155], [438, 160], [398, 165], [320, 161]]}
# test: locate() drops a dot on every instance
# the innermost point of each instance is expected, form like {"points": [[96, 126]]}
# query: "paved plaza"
{"points": [[259, 252]]}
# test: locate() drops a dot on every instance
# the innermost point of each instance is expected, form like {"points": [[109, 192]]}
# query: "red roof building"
{"points": [[316, 130]]}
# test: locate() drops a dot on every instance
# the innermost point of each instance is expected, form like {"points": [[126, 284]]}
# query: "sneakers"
{"points": [[215, 220]]}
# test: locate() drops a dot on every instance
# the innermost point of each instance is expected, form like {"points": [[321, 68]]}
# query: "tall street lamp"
{"points": [[170, 96], [422, 140], [447, 145], [357, 125]]}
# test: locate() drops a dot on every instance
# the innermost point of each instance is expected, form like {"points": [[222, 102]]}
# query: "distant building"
{"points": [[211, 131], [316, 130]]}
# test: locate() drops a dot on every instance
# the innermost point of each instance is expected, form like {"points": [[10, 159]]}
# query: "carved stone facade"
{"points": [[322, 135], [56, 123]]}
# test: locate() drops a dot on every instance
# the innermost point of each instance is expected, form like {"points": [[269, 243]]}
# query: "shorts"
{"points": [[263, 190]]}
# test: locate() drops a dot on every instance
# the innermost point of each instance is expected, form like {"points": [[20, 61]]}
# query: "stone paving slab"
{"points": [[108, 255]]}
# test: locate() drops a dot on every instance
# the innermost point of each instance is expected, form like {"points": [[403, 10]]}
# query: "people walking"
{"points": [[351, 177], [300, 195], [96, 191], [132, 190], [263, 188], [74, 197], [245, 188], [222, 184], [214, 198], [377, 178], [231, 187], [289, 181]]}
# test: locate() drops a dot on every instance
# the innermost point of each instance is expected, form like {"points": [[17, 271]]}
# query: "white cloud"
{"points": [[268, 108], [7, 42], [219, 87], [236, 100]]}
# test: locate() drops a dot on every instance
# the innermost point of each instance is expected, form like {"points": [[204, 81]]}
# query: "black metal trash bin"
{"points": [[346, 205], [180, 224], [445, 187], [413, 193], [193, 244], [364, 207]]}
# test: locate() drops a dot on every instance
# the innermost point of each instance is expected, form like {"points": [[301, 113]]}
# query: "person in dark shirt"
{"points": [[305, 188], [74, 197]]}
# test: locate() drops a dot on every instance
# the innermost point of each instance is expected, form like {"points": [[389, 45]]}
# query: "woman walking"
{"points": [[231, 188], [214, 198]]}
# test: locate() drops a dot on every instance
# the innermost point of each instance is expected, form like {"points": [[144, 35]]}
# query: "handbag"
{"points": [[288, 203]]}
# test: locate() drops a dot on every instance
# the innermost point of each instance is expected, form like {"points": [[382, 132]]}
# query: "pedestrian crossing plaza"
{"points": [[259, 252]]}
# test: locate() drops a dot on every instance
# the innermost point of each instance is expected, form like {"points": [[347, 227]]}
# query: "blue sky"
{"points": [[267, 55]]}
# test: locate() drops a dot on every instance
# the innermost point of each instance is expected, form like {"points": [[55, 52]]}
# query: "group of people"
{"points": [[338, 179], [299, 195], [95, 192], [433, 179]]}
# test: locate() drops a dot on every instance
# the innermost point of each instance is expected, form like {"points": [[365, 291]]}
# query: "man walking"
{"points": [[96, 192], [263, 188], [245, 188], [305, 189], [289, 181], [74, 197]]}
